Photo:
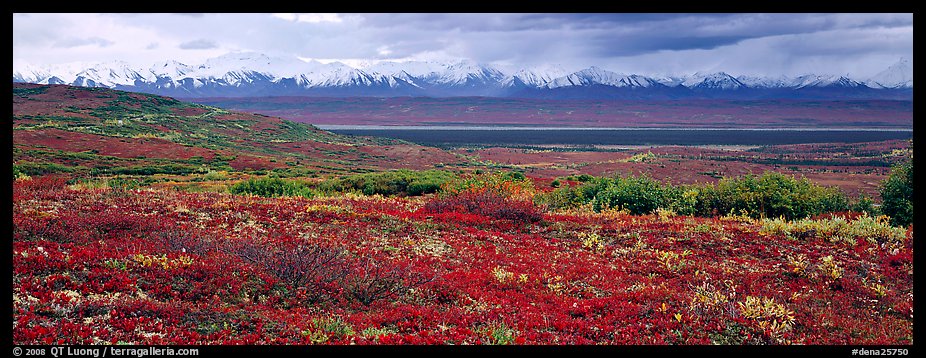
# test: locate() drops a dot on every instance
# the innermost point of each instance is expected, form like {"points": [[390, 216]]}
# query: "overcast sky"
{"points": [[761, 44]]}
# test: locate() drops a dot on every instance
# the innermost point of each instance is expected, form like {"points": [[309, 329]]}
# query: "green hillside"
{"points": [[80, 130]]}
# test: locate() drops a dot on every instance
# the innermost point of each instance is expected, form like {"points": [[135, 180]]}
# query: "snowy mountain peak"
{"points": [[109, 74], [412, 68], [31, 73], [64, 73], [462, 73], [254, 62], [536, 76], [898, 75], [766, 82], [825, 81], [845, 81], [250, 73], [170, 69], [718, 80], [465, 73], [670, 80], [597, 76]]}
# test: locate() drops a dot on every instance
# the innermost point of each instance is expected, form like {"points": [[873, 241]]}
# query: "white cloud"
{"points": [[77, 42], [861, 44], [200, 44], [310, 18], [383, 51]]}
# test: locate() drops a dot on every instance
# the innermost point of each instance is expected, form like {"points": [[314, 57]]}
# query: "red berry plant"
{"points": [[476, 264], [494, 196]]}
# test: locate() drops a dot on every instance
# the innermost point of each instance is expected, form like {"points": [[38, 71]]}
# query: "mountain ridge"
{"points": [[254, 74]]}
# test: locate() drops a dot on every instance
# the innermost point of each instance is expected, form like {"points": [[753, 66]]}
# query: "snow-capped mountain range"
{"points": [[253, 74]]}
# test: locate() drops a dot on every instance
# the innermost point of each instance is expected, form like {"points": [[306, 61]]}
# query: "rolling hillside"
{"points": [[59, 128]]}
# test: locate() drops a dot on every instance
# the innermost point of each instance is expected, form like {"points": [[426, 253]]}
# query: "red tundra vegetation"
{"points": [[410, 111], [108, 266], [108, 248]]}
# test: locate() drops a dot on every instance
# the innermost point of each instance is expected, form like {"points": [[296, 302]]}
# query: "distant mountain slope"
{"points": [[898, 75], [249, 74], [97, 130]]}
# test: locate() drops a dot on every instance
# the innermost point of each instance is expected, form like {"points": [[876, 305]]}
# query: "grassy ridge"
{"points": [[113, 129]]}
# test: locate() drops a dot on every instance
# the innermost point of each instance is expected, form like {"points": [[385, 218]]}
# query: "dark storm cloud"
{"points": [[628, 34], [627, 46], [200, 44]]}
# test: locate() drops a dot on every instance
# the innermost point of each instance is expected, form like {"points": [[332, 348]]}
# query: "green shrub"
{"points": [[864, 204], [30, 168], [770, 195], [897, 194], [591, 188], [639, 195], [124, 184], [213, 175], [17, 173], [425, 185], [836, 229], [566, 197], [517, 176], [272, 187], [499, 334], [584, 178], [29, 91], [684, 200], [397, 182]]}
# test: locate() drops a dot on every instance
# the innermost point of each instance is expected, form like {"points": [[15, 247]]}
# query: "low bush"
{"points": [[564, 197], [29, 168], [486, 203], [498, 196], [864, 204], [398, 182], [876, 230], [509, 184], [373, 280], [312, 268], [273, 187], [769, 195], [897, 194], [638, 195]]}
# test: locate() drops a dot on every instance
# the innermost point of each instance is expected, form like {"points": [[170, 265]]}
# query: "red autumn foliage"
{"points": [[163, 267], [486, 203]]}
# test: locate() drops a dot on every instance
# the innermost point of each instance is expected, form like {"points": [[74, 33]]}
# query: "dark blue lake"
{"points": [[619, 136]]}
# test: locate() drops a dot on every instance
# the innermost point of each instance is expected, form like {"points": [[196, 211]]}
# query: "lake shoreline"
{"points": [[339, 127], [508, 136]]}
